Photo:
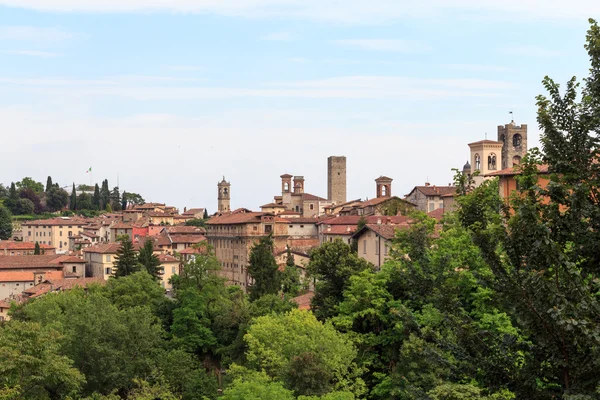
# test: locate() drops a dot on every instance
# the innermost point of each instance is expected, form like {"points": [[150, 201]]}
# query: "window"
{"points": [[268, 228], [385, 250], [173, 270], [377, 247], [291, 226], [60, 243], [59, 233], [477, 162], [492, 161], [516, 160], [364, 247], [431, 206], [301, 226], [286, 187], [107, 258], [108, 271], [312, 207], [297, 208], [517, 139], [74, 269]]}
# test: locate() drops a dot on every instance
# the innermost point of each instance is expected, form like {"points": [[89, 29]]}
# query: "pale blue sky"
{"points": [[173, 94]]}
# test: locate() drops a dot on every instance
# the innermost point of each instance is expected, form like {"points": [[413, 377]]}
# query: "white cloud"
{"points": [[347, 87], [529, 51], [38, 34], [278, 37], [393, 45], [33, 53], [352, 11]]}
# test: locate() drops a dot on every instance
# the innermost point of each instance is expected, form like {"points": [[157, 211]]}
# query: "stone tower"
{"points": [[384, 186], [224, 197], [336, 179], [514, 143]]}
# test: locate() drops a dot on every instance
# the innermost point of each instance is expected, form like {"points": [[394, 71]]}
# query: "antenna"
{"points": [[486, 136], [512, 116]]}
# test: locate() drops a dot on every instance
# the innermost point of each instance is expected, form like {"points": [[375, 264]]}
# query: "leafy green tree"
{"points": [[30, 195], [108, 208], [3, 192], [29, 183], [249, 385], [135, 289], [56, 198], [290, 278], [49, 183], [263, 269], [196, 222], [149, 261], [13, 198], [32, 365], [5, 223], [37, 250], [73, 200], [25, 207], [332, 264], [200, 271], [126, 262], [96, 198], [187, 377], [309, 356]]}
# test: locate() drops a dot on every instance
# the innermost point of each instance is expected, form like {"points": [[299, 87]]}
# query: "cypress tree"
{"points": [[104, 194], [12, 203], [37, 251], [205, 214], [148, 260], [126, 262], [96, 198], [48, 184], [73, 202], [124, 201], [263, 269]]}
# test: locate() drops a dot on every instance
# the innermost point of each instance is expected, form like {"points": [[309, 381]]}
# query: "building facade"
{"points": [[336, 179], [54, 232]]}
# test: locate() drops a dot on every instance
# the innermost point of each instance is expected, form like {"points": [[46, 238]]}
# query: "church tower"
{"points": [[514, 143], [223, 203]]}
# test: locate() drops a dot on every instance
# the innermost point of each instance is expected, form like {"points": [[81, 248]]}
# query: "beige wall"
{"points": [[54, 235], [168, 269], [99, 265], [373, 248]]}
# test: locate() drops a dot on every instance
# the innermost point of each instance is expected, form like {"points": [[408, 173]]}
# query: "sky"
{"points": [[169, 96]]}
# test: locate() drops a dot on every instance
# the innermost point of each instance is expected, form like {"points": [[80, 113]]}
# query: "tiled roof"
{"points": [[163, 258], [55, 222], [433, 190], [308, 196], [108, 248], [542, 169], [437, 214], [122, 225], [193, 211], [344, 204], [236, 218], [27, 276], [53, 285], [344, 230], [272, 205], [289, 213], [187, 238], [12, 245], [68, 259], [303, 300], [4, 304], [191, 250], [371, 219], [182, 230], [14, 262], [158, 214]]}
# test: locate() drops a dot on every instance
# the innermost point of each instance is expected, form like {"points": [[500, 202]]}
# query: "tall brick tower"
{"points": [[514, 143], [223, 199], [336, 179]]}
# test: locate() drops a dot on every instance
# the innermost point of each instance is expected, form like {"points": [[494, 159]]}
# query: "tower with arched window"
{"points": [[485, 156], [514, 143], [224, 196]]}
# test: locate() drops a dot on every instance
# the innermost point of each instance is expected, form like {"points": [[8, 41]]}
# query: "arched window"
{"points": [[225, 191], [286, 187], [477, 162], [492, 161], [503, 138], [516, 160], [517, 140], [383, 190]]}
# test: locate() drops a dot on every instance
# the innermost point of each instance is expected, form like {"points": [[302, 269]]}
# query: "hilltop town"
{"points": [[70, 248]]}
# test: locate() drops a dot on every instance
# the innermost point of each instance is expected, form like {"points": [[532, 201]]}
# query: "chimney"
{"points": [[379, 221], [348, 229], [328, 228], [427, 183]]}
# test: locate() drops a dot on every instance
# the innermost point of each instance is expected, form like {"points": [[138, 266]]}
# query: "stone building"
{"points": [[294, 198], [431, 197], [514, 143], [336, 179], [233, 234]]}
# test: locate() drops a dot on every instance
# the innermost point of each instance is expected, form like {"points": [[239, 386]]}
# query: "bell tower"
{"points": [[514, 143], [223, 199]]}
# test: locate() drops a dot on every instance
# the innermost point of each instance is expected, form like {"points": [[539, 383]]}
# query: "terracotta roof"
{"points": [[486, 141], [14, 262], [273, 205], [122, 225], [55, 222], [4, 304], [289, 213], [385, 231], [54, 285], [182, 230], [438, 214], [68, 259], [343, 230], [308, 196], [344, 204], [108, 248], [193, 211], [236, 218], [433, 190], [187, 238], [12, 245], [161, 240], [190, 250], [542, 169], [303, 300], [371, 219], [27, 276], [286, 176], [383, 178], [158, 214]]}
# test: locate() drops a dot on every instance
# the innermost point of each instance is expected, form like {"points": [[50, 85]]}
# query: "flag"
{"points": [[89, 170]]}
